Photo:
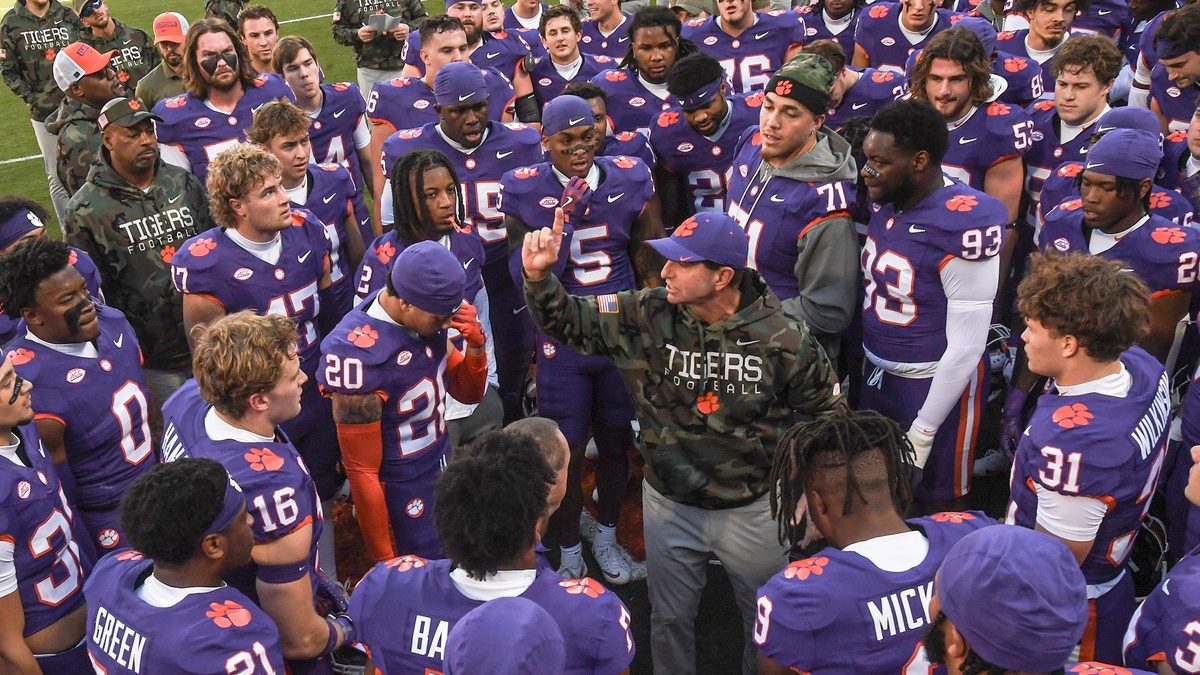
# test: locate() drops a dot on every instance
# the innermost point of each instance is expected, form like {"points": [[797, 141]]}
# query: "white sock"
{"points": [[606, 535], [571, 554]]}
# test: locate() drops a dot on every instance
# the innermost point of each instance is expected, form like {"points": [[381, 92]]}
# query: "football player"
{"points": [[90, 397], [848, 475], [1175, 81], [394, 347], [628, 143], [490, 505], [750, 45], [791, 185], [505, 636], [42, 612], [524, 14], [695, 144], [223, 93], [1181, 160], [189, 524], [832, 20], [607, 32], [1089, 462], [932, 267], [855, 92], [493, 22], [1049, 29], [259, 31], [889, 31], [248, 382], [605, 256], [564, 63]]}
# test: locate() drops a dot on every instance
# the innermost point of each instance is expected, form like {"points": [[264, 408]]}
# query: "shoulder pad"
{"points": [[755, 99], [878, 11], [1069, 169], [1065, 212], [1001, 118], [342, 86], [355, 336], [614, 75], [668, 117], [1171, 239], [518, 181], [199, 252], [984, 210], [261, 80], [25, 360], [1014, 64]]}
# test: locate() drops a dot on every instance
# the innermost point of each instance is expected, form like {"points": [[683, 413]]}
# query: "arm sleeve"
{"points": [[1141, 75], [173, 154], [466, 376], [386, 213], [970, 291], [362, 132], [829, 277], [362, 455], [8, 569], [483, 305], [1069, 517]]}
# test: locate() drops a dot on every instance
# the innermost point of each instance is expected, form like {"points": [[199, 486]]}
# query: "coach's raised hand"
{"points": [[539, 251]]}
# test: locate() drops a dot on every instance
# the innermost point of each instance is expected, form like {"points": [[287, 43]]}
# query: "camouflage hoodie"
{"points": [[135, 53], [78, 141], [132, 235], [28, 45], [712, 400], [384, 52]]}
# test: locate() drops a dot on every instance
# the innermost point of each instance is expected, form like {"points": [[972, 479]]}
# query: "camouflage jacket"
{"points": [[78, 141], [382, 52], [135, 53], [132, 235], [712, 400], [27, 49], [159, 83], [224, 9]]}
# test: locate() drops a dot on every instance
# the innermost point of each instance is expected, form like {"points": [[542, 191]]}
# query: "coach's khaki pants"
{"points": [[680, 540]]}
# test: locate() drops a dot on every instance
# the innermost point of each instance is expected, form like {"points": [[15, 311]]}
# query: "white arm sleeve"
{"points": [[483, 309], [362, 133], [1069, 517], [970, 287], [8, 570], [173, 154], [386, 216], [1141, 75]]}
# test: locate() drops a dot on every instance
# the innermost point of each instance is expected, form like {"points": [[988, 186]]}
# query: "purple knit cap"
{"points": [[429, 277]]}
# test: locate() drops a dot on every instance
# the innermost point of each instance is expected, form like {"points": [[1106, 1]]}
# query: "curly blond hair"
{"points": [[239, 355], [233, 174]]}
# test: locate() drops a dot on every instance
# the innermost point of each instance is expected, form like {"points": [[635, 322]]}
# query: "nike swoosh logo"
{"points": [[1165, 583], [576, 120], [492, 55], [964, 141], [468, 263], [518, 310], [759, 36], [743, 342], [127, 42], [502, 155], [913, 229], [255, 108], [172, 201], [856, 106], [465, 97], [302, 258], [777, 199], [328, 199], [624, 39], [1104, 130], [610, 575], [338, 113], [1104, 12], [119, 341], [613, 198]]}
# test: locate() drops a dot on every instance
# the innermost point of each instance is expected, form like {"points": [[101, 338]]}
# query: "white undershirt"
{"points": [[83, 350], [299, 194], [157, 594], [219, 430], [592, 178], [570, 70], [267, 251], [894, 552], [502, 584], [1075, 517], [659, 90], [1043, 56], [951, 126], [1068, 132], [376, 311], [1102, 241], [531, 24], [838, 26], [914, 37], [1192, 167]]}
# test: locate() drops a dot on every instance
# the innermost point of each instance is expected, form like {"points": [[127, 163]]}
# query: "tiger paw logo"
{"points": [[73, 258], [525, 173], [108, 537], [624, 162], [1015, 64], [878, 11], [409, 134], [803, 569], [961, 203], [1071, 416], [1045, 105], [687, 228], [1005, 35], [1168, 235], [1070, 169], [167, 254], [1072, 205], [176, 101], [341, 86], [615, 76], [20, 356], [1177, 136], [298, 218], [262, 459], [129, 554], [405, 563], [755, 100], [997, 108], [385, 252], [626, 136], [783, 87], [668, 118], [952, 517], [364, 337], [228, 614], [123, 76], [882, 76], [50, 54], [415, 508], [1159, 200], [1088, 668], [201, 247], [585, 586], [708, 403], [549, 350]]}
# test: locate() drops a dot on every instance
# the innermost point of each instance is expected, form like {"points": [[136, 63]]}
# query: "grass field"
{"points": [[16, 135]]}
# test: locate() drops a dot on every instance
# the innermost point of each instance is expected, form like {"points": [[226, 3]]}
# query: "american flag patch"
{"points": [[606, 304]]}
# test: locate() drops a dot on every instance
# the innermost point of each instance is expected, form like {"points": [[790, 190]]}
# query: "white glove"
{"points": [[921, 438]]}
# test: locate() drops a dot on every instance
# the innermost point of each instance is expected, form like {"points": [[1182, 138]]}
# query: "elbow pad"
{"points": [[527, 109]]}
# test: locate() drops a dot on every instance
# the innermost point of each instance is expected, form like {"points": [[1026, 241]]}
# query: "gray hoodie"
{"points": [[827, 255]]}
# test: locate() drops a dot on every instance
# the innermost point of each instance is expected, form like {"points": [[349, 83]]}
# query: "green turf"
{"points": [[16, 135]]}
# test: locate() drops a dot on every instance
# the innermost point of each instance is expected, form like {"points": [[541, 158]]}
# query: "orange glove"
{"points": [[466, 322]]}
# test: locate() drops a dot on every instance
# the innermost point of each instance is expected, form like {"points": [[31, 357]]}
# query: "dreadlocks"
{"points": [[841, 441], [411, 216], [655, 16]]}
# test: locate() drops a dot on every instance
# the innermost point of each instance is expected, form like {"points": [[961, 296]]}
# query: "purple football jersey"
{"points": [[1099, 446], [37, 522], [377, 262], [630, 144], [217, 631], [407, 102], [1174, 171], [202, 133], [836, 612], [615, 45], [511, 21], [83, 263], [818, 26], [338, 205], [1162, 253], [103, 404], [1060, 187], [404, 609], [750, 58], [904, 310], [1177, 104], [1103, 17], [212, 265], [365, 355], [873, 90], [1024, 80], [280, 494], [595, 253], [703, 161], [988, 136], [1163, 629], [479, 170], [879, 34], [776, 213], [631, 106], [1013, 42], [548, 83], [1047, 152], [332, 130], [1147, 50], [501, 50]]}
